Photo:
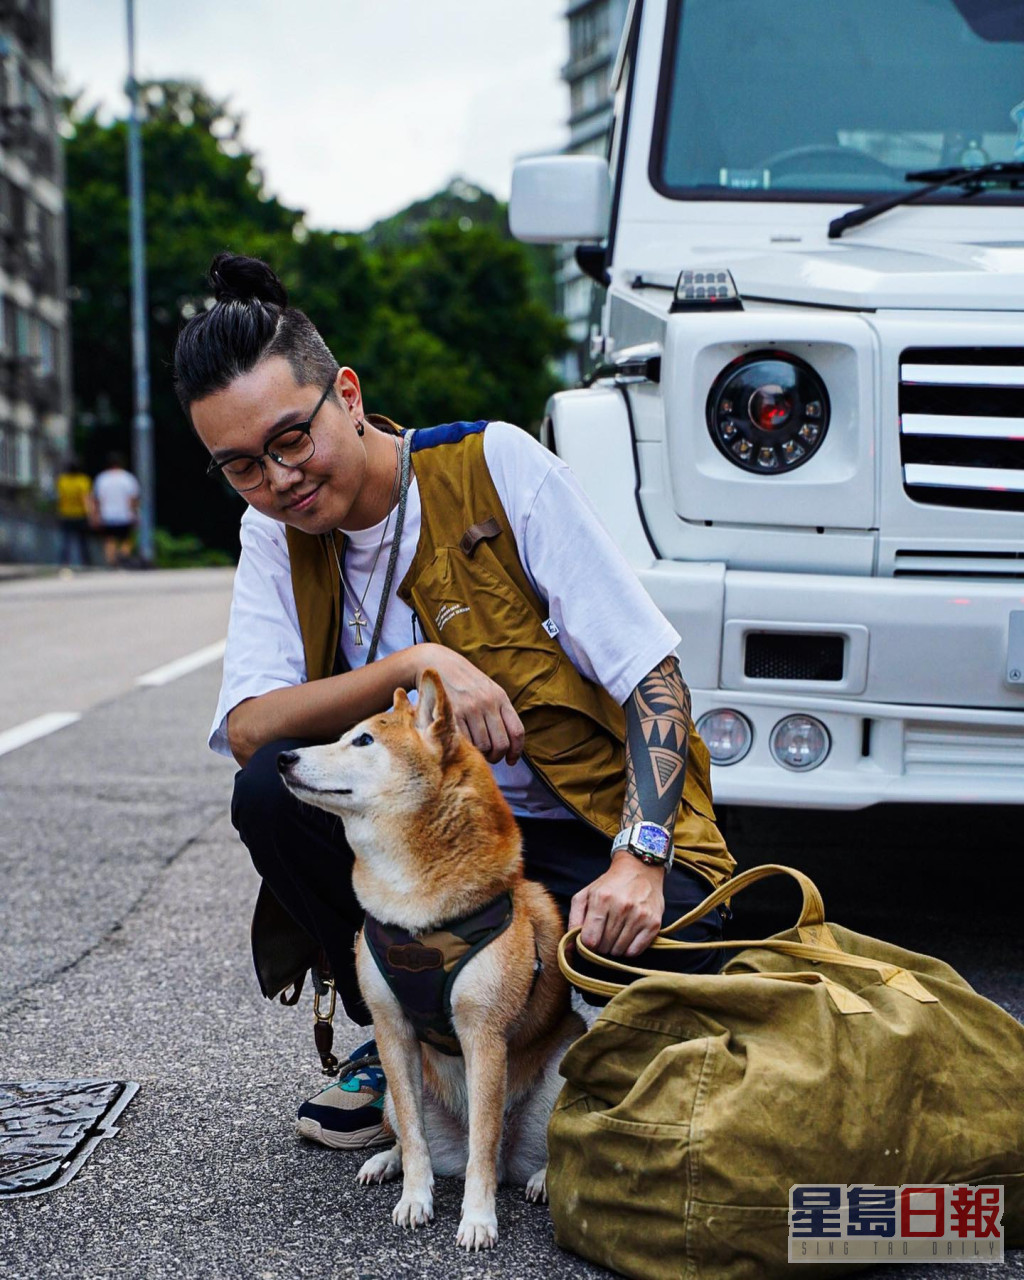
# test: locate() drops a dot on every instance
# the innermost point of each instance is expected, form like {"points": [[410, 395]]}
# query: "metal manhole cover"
{"points": [[49, 1128]]}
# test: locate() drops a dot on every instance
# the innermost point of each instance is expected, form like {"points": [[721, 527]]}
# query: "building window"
{"points": [[14, 90], [47, 349], [17, 456], [24, 457], [590, 91], [22, 331], [588, 32], [36, 104], [577, 298], [596, 146], [6, 204], [10, 310], [18, 210]]}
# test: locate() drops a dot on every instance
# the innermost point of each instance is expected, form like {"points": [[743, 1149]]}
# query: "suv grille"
{"points": [[920, 563], [962, 426]]}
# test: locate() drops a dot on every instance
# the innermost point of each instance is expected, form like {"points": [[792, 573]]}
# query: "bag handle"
{"points": [[820, 946], [812, 908]]}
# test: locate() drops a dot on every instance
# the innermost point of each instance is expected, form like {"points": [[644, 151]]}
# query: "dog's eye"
{"points": [[364, 740]]}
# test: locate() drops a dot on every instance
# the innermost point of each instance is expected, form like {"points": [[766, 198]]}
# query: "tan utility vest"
{"points": [[469, 591]]}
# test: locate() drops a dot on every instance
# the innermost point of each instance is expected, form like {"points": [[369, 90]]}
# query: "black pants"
{"points": [[303, 856]]}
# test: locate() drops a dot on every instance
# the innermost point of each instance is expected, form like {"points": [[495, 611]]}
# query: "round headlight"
{"points": [[768, 412], [727, 735], [800, 742]]}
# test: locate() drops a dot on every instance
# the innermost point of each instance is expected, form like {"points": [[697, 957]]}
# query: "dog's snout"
{"points": [[285, 760]]}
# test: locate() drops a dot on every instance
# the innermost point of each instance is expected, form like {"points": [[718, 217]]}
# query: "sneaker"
{"points": [[349, 1113]]}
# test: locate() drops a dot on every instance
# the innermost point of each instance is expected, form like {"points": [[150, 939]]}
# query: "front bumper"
{"points": [[925, 710]]}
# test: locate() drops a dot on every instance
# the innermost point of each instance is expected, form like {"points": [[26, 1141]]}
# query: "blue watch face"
{"points": [[652, 839]]}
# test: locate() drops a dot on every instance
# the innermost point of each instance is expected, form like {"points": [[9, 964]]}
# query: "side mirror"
{"points": [[556, 198]]}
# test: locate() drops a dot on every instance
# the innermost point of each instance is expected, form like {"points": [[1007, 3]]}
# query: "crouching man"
{"points": [[369, 554]]}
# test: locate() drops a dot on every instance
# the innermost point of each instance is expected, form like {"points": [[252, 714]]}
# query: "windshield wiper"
{"points": [[973, 178]]}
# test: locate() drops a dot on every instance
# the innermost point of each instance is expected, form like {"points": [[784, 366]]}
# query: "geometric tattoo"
{"points": [[658, 728]]}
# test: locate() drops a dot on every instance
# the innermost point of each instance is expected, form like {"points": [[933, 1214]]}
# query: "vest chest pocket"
{"points": [[481, 614]]}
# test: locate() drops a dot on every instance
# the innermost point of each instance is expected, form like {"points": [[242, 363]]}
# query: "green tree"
{"points": [[491, 342], [204, 192], [466, 205], [440, 313]]}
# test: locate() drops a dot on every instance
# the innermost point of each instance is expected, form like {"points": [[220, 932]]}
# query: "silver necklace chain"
{"points": [[359, 618]]}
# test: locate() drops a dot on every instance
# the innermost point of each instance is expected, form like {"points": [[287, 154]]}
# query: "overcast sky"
{"points": [[354, 107]]}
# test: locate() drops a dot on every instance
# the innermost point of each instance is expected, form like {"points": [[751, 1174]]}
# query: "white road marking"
{"points": [[182, 667], [37, 728]]}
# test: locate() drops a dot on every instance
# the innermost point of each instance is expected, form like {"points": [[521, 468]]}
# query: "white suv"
{"points": [[805, 430]]}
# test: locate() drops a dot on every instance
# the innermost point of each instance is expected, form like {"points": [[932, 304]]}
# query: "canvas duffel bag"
{"points": [[818, 1055]]}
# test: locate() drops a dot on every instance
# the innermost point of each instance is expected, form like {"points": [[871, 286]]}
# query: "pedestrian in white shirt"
{"points": [[115, 498], [559, 667]]}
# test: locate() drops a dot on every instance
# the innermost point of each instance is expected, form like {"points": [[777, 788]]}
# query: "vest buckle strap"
{"points": [[477, 533]]}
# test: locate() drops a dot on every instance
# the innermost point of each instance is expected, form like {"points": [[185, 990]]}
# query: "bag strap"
{"points": [[812, 909], [820, 945]]}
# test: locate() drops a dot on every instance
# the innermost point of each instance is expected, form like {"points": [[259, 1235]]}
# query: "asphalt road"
{"points": [[70, 643], [124, 955]]}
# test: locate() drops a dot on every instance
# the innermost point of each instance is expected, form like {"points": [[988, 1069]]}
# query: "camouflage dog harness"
{"points": [[421, 970]]}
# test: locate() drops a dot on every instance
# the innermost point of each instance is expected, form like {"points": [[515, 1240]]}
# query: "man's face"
{"points": [[318, 495]]}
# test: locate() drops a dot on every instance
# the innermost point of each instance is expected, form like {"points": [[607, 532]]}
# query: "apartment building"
{"points": [[34, 363], [595, 29]]}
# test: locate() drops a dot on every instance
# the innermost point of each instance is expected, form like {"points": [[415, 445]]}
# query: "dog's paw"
{"points": [[478, 1231], [413, 1210], [537, 1187], [382, 1167]]}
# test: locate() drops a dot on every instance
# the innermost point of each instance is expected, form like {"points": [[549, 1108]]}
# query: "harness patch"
{"points": [[412, 958], [422, 970]]}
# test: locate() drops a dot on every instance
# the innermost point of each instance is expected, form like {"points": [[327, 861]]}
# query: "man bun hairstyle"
{"points": [[238, 279], [249, 321]]}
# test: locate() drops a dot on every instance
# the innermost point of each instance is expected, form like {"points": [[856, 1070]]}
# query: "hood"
{"points": [[864, 276]]}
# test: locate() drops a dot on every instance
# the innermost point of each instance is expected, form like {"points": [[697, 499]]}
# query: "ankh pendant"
{"points": [[359, 621]]}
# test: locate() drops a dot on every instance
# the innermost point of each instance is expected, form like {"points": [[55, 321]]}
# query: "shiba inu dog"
{"points": [[438, 858]]}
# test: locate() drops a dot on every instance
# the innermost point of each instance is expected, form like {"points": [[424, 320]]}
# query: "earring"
{"points": [[360, 427]]}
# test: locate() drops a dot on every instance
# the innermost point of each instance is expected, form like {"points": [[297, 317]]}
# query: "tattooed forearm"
{"points": [[658, 727]]}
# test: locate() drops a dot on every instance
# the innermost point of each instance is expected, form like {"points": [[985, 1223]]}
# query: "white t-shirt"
{"points": [[113, 492], [608, 626]]}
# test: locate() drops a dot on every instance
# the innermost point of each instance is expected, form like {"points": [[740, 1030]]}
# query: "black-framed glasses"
{"points": [[290, 447]]}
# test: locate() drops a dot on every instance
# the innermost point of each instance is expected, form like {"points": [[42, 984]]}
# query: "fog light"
{"points": [[800, 742], [727, 735]]}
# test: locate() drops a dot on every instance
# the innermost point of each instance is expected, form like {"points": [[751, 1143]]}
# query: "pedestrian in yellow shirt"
{"points": [[74, 505]]}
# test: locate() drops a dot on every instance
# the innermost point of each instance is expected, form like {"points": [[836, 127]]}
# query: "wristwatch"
{"points": [[648, 842]]}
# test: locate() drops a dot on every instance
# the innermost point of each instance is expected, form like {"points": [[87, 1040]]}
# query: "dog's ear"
{"points": [[434, 717], [401, 702]]}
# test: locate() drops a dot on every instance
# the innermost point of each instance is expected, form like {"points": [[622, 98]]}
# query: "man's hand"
{"points": [[482, 709], [621, 911]]}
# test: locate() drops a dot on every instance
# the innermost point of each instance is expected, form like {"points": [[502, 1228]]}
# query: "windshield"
{"points": [[807, 99]]}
